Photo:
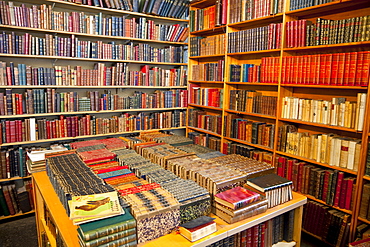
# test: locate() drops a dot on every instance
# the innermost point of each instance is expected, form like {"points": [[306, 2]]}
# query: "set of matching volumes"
{"points": [[79, 22], [239, 203], [255, 39], [266, 72], [209, 71], [13, 163], [209, 17], [253, 102], [326, 148], [300, 4], [202, 120], [100, 75], [31, 129], [331, 186], [16, 197], [51, 45], [205, 46], [258, 133], [337, 69], [326, 32], [205, 140], [336, 112], [253, 9], [36, 101], [331, 225], [247, 151], [205, 96]]}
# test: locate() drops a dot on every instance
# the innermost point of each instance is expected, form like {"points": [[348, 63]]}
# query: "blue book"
{"points": [[114, 173]]}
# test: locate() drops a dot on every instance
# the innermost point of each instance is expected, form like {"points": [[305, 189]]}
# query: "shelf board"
{"points": [[90, 112], [87, 8], [16, 215], [322, 202], [364, 220], [207, 56], [251, 114], [83, 137], [88, 59], [327, 8], [252, 83], [325, 86], [265, 20], [14, 178], [202, 3], [366, 177], [92, 35], [334, 46], [209, 31], [317, 163], [84, 87], [206, 107], [250, 144], [253, 52], [205, 82], [204, 131], [320, 125]]}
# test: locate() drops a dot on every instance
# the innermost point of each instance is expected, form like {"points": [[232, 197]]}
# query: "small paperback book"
{"points": [[97, 205], [198, 228]]}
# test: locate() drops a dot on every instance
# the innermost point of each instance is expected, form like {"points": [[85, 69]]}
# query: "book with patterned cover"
{"points": [[237, 197]]}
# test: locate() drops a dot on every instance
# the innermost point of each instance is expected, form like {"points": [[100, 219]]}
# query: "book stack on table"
{"points": [[238, 204]]}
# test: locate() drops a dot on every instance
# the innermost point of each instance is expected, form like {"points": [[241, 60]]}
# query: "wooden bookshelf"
{"points": [[46, 199], [16, 215], [334, 10]]}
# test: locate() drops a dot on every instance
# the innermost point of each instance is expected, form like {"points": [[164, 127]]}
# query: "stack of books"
{"points": [[277, 190], [239, 203]]}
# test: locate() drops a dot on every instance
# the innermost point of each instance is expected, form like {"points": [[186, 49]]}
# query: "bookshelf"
{"points": [[279, 78], [47, 200], [137, 55]]}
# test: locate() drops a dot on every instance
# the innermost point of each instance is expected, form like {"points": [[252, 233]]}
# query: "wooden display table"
{"points": [[48, 205]]}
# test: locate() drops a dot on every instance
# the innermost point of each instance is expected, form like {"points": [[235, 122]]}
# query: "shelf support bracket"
{"points": [[55, 60]]}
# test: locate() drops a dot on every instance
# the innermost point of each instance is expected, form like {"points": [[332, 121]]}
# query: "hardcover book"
{"points": [[237, 197]]}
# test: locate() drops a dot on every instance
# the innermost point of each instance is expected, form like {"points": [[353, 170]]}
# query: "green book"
{"points": [[3, 206], [122, 237], [100, 228]]}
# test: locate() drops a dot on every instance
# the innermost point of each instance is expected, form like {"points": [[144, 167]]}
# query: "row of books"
{"points": [[250, 131], [205, 46], [100, 75], [200, 119], [300, 4], [250, 9], [31, 129], [51, 45], [326, 32], [205, 140], [35, 101], [331, 186], [209, 17], [367, 167], [205, 96], [252, 101], [337, 69], [16, 197], [208, 71], [336, 112], [162, 7], [364, 206], [231, 147], [79, 22], [325, 148], [255, 39], [266, 72], [331, 225], [13, 162]]}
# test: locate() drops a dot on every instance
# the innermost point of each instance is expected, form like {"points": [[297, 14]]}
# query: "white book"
{"points": [[351, 154], [32, 129], [318, 152], [361, 102]]}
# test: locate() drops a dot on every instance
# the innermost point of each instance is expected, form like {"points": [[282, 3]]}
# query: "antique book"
{"points": [[198, 228], [237, 197]]}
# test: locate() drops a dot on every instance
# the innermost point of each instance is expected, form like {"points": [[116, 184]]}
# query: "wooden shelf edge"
{"points": [[325, 86], [16, 215], [322, 202], [268, 18], [14, 178], [320, 125], [206, 107], [82, 137], [250, 144], [213, 82], [252, 52], [304, 48], [209, 30], [253, 83], [206, 56], [90, 112], [83, 86], [316, 163], [204, 131]]}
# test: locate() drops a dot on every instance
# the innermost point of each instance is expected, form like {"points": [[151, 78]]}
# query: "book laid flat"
{"points": [[198, 228], [237, 197]]}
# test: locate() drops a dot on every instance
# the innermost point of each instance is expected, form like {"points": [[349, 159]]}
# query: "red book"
{"points": [[237, 197], [343, 193], [295, 173], [304, 70], [348, 198], [341, 65], [352, 68], [224, 12], [300, 70], [328, 62], [346, 69], [334, 69], [255, 233], [289, 174], [338, 189], [300, 176], [364, 81], [325, 186], [110, 169]]}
